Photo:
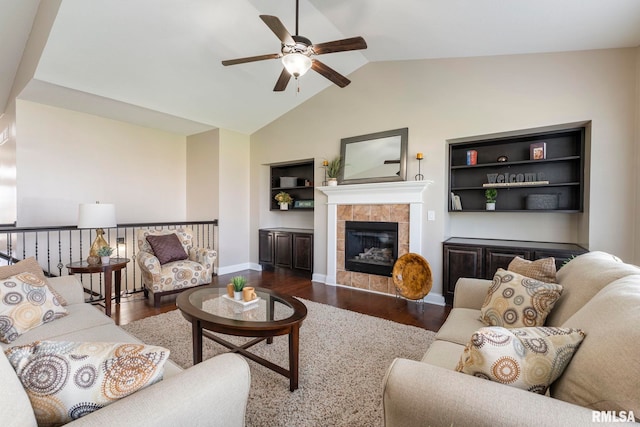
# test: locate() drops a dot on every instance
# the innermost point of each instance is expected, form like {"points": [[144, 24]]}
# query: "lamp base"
{"points": [[99, 242]]}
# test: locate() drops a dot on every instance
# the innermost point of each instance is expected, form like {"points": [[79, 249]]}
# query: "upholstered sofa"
{"points": [[601, 296], [212, 393], [179, 267]]}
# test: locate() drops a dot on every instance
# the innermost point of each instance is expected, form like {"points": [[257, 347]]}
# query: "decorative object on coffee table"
{"points": [[491, 194], [238, 284], [412, 276]]}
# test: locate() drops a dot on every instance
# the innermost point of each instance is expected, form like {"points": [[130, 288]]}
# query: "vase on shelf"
{"points": [[333, 182], [491, 206], [284, 206]]}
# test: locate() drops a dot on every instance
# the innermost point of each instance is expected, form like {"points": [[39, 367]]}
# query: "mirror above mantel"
{"points": [[376, 157]]}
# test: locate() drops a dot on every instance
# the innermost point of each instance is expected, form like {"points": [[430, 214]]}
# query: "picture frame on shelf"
{"points": [[538, 151]]}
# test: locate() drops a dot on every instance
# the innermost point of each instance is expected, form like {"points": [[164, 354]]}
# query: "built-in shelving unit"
{"points": [[298, 183], [517, 175]]}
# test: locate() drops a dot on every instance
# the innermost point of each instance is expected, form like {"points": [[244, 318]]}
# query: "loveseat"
{"points": [[601, 296], [212, 393]]}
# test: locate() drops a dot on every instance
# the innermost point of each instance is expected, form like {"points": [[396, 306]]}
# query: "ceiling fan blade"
{"points": [[329, 73], [283, 81], [251, 59], [354, 43], [278, 29]]}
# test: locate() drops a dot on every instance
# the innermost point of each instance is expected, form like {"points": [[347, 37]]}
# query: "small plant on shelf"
{"points": [[238, 283], [105, 251], [491, 194], [283, 197]]}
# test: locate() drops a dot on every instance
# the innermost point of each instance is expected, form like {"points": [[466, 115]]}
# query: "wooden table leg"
{"points": [[117, 283], [196, 337], [294, 342], [107, 291], [270, 309]]}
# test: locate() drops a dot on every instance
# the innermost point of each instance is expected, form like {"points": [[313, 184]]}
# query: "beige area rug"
{"points": [[343, 358]]}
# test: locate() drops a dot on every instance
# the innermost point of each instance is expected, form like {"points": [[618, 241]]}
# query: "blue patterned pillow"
{"points": [[66, 380]]}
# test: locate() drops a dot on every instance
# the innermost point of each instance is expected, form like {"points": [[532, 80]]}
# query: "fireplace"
{"points": [[371, 247]]}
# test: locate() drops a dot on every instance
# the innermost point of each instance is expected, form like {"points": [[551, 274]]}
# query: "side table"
{"points": [[115, 267]]}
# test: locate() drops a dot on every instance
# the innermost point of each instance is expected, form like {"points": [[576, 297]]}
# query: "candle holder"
{"points": [[325, 164], [419, 176]]}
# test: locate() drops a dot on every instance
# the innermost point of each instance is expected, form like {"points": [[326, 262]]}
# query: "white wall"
{"points": [[452, 98], [203, 175], [234, 201], [65, 158], [637, 179]]}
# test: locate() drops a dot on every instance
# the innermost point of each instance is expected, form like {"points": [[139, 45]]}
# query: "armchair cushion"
{"points": [[526, 358], [167, 248], [516, 301], [67, 380]]}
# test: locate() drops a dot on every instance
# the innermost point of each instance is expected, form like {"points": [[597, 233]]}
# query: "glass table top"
{"points": [[266, 307]]}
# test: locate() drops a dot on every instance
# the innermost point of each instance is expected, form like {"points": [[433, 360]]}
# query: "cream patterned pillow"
{"points": [[527, 358], [543, 269], [66, 380], [516, 301], [25, 303]]}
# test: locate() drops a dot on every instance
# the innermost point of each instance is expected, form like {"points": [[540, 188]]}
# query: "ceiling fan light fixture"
{"points": [[297, 64]]}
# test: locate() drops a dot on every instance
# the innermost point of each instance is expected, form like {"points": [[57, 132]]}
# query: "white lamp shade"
{"points": [[296, 64], [96, 215]]}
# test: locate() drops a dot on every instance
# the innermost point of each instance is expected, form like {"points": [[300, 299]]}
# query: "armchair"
{"points": [[174, 276]]}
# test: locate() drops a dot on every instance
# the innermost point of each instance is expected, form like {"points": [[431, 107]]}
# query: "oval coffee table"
{"points": [[210, 310]]}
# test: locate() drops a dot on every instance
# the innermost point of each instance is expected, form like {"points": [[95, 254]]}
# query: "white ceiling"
{"points": [[157, 62]]}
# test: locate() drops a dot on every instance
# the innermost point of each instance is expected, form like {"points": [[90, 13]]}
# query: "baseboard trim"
{"points": [[227, 269]]}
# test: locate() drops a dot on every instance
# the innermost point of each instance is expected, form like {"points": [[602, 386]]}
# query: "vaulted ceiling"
{"points": [[157, 62]]}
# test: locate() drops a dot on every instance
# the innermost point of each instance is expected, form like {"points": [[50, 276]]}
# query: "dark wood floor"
{"points": [[135, 307]]}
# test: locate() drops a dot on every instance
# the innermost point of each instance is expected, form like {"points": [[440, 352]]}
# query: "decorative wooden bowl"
{"points": [[412, 276]]}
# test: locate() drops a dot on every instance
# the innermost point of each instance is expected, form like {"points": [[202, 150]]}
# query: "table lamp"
{"points": [[96, 215]]}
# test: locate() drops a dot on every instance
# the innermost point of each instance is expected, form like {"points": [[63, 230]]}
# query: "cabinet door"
{"points": [[303, 251], [265, 247], [282, 249], [501, 257], [460, 261]]}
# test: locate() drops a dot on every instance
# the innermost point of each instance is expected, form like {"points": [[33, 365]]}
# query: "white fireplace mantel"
{"points": [[383, 193]]}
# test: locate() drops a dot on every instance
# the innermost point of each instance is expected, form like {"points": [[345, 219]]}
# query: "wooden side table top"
{"points": [[85, 267]]}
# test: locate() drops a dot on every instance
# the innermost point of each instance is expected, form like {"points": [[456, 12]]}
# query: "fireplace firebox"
{"points": [[371, 247]]}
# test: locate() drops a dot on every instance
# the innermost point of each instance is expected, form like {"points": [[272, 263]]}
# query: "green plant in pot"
{"points": [[333, 170], [284, 199], [238, 283], [491, 194], [104, 253]]}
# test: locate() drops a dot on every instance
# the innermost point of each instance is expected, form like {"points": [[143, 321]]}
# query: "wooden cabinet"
{"points": [[298, 182], [480, 258], [290, 248], [552, 182]]}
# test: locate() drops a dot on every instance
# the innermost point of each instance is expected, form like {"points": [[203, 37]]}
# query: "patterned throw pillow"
{"points": [[29, 265], [516, 301], [543, 269], [25, 303], [66, 380], [167, 248], [527, 358]]}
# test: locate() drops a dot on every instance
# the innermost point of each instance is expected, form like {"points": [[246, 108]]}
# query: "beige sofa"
{"points": [[601, 296], [212, 393]]}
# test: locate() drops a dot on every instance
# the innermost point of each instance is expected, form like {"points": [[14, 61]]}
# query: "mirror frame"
{"points": [[403, 133]]}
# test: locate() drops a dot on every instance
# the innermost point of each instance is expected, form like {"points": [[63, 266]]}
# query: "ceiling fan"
{"points": [[296, 52]]}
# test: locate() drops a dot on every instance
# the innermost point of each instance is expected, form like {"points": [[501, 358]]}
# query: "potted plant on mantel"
{"points": [[491, 194], [333, 170], [284, 199]]}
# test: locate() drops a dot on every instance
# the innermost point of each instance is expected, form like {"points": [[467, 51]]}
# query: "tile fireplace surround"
{"points": [[400, 202]]}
